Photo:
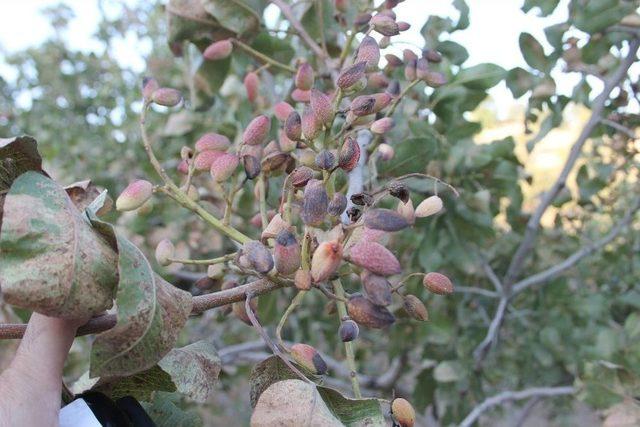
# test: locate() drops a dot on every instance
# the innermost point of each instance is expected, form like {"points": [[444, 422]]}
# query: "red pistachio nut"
{"points": [[300, 95], [321, 106], [385, 152], [149, 86], [300, 176], [409, 55], [304, 77], [293, 126], [393, 60], [351, 75], [437, 283], [429, 206], [257, 131], [325, 160], [326, 260], [349, 154], [167, 97], [382, 126], [204, 159], [286, 253], [337, 205], [410, 72], [212, 142], [308, 358], [310, 125], [362, 311], [378, 81], [369, 52], [376, 289], [385, 25], [375, 258], [251, 166], [252, 86], [403, 412], [415, 308], [258, 256], [314, 203], [435, 79], [348, 331], [363, 105], [134, 196], [282, 110], [385, 220], [224, 166], [164, 251], [218, 50]]}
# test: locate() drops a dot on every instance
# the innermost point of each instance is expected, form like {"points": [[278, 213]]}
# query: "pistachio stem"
{"points": [[295, 302], [180, 196], [267, 340], [348, 346], [217, 260], [261, 56], [262, 190], [346, 48]]}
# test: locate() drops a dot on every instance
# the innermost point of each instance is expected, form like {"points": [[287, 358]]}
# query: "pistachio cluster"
{"points": [[309, 147]]}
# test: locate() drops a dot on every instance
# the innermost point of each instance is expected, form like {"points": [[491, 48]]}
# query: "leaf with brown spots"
{"points": [[151, 312], [194, 369], [52, 260]]}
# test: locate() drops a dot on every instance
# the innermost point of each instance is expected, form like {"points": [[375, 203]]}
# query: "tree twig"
{"points": [[201, 303], [288, 13], [517, 262], [262, 57], [348, 346], [620, 128], [552, 272], [483, 348], [507, 396]]}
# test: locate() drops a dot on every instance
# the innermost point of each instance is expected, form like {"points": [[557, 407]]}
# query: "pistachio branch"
{"points": [[288, 13], [201, 303], [348, 346], [217, 260], [180, 196], [262, 57]]}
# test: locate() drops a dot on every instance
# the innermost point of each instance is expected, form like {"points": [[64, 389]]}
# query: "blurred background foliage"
{"points": [[581, 328]]}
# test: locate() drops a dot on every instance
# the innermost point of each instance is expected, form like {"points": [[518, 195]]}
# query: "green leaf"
{"points": [[141, 385], [240, 16], [546, 7], [520, 81], [208, 79], [187, 20], [533, 53], [351, 412], [17, 155], [151, 313], [274, 47], [481, 76], [193, 369], [554, 34], [456, 53], [463, 21], [435, 26], [52, 261], [165, 413], [600, 14]]}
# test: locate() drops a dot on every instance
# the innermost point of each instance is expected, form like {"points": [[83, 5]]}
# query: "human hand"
{"points": [[31, 387]]}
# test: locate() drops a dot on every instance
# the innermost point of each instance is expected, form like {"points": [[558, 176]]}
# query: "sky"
{"points": [[491, 37]]}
